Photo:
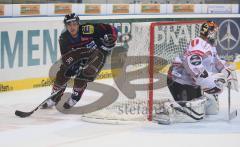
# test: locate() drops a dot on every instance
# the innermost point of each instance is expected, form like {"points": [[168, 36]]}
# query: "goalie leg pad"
{"points": [[182, 112], [212, 104]]}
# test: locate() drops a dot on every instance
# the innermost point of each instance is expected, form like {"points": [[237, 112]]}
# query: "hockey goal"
{"points": [[150, 51]]}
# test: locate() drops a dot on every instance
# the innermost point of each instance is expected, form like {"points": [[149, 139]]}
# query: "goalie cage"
{"points": [[165, 40]]}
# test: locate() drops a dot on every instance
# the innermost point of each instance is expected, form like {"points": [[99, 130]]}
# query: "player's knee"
{"points": [[61, 79]]}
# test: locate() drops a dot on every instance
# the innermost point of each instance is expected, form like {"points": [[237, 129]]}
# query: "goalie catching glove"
{"points": [[212, 84]]}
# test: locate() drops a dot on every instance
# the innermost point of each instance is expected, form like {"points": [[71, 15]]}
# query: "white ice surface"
{"points": [[50, 128]]}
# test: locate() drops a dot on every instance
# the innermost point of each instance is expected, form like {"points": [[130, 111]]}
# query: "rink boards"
{"points": [[29, 46]]}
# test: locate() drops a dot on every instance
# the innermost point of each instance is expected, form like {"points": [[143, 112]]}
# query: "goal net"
{"points": [[141, 81]]}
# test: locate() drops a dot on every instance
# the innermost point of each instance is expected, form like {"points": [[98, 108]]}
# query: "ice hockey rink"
{"points": [[51, 128]]}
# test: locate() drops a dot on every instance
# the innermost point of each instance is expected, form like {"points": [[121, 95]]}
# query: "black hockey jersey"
{"points": [[88, 36]]}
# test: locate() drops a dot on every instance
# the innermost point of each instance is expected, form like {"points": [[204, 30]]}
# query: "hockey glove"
{"points": [[108, 41]]}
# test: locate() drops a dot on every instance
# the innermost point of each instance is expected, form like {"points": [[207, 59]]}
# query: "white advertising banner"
{"points": [[115, 9], [28, 48], [219, 8], [184, 8], [6, 10], [29, 9]]}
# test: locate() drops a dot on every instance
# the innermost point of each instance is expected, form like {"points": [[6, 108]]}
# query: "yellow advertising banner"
{"points": [[120, 9], [29, 9], [92, 9], [63, 8], [183, 8], [1, 10], [150, 8]]}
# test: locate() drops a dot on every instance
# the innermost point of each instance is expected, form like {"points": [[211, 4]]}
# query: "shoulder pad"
{"points": [[199, 45]]}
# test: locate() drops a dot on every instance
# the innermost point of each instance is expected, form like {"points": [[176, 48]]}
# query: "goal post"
{"points": [[152, 48]]}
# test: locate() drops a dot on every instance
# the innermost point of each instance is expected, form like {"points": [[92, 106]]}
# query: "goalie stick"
{"points": [[26, 114], [233, 114]]}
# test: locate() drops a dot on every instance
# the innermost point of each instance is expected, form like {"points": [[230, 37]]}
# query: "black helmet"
{"points": [[70, 18], [209, 31]]}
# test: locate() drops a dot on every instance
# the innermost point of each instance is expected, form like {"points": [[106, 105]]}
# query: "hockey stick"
{"points": [[233, 114], [56, 94], [26, 114]]}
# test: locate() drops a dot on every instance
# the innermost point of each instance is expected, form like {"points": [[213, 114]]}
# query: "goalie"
{"points": [[195, 79], [84, 49]]}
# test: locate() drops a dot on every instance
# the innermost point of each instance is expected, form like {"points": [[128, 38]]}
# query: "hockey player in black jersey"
{"points": [[84, 48]]}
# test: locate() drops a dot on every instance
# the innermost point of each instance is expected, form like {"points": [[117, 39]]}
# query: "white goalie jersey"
{"points": [[197, 65]]}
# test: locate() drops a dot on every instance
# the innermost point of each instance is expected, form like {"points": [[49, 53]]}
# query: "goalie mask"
{"points": [[209, 32]]}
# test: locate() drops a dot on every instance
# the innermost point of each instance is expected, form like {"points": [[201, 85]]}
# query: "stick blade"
{"points": [[22, 114]]}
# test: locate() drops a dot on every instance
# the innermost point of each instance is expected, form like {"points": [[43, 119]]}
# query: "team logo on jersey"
{"points": [[88, 29], [229, 35], [195, 60]]}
